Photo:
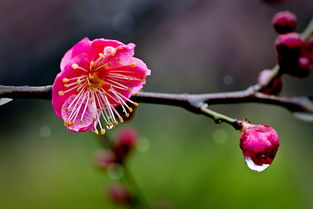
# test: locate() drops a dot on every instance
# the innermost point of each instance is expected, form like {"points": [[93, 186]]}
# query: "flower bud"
{"points": [[125, 143], [284, 22], [274, 87], [288, 47], [288, 44], [304, 68], [259, 144], [119, 194], [104, 159]]}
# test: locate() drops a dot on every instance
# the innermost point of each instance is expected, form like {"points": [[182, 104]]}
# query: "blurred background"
{"points": [[192, 46]]}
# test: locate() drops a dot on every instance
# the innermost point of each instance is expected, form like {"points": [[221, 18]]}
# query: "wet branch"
{"points": [[190, 102]]}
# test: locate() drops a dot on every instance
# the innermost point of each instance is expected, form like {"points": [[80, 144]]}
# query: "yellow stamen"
{"points": [[69, 123], [102, 131], [66, 85], [96, 132], [92, 63], [129, 89], [121, 120], [115, 122], [130, 109], [133, 64], [101, 55], [135, 104], [127, 115], [61, 93], [65, 80]]}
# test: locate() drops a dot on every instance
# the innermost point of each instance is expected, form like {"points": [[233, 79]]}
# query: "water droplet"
{"points": [[115, 171], [254, 167], [109, 127], [5, 100], [304, 116]]}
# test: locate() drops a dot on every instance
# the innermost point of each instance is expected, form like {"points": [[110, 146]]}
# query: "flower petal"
{"points": [[84, 115], [98, 45], [58, 85], [84, 46]]}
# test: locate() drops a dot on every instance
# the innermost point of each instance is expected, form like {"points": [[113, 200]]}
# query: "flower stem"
{"points": [[219, 118], [308, 31], [140, 201]]}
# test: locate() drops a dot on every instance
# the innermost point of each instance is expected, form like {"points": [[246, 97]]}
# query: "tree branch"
{"points": [[191, 102], [196, 103]]}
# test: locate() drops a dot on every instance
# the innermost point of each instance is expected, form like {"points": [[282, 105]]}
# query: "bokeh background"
{"points": [[186, 160]]}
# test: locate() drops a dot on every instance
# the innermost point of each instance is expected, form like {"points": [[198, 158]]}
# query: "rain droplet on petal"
{"points": [[109, 126], [254, 167], [5, 100], [304, 116]]}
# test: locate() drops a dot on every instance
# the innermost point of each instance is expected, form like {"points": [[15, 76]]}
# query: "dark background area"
{"points": [[192, 46]]}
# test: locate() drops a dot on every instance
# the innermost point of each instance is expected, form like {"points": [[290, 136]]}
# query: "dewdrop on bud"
{"points": [[259, 144]]}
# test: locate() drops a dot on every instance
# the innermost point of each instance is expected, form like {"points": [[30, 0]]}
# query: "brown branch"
{"points": [[190, 102]]}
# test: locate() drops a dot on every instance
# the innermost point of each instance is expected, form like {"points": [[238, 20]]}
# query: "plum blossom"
{"points": [[97, 77]]}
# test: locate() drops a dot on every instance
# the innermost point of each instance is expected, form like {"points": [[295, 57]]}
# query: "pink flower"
{"points": [[259, 144], [96, 77]]}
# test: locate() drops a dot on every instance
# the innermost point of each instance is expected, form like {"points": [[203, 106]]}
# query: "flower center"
{"points": [[94, 81]]}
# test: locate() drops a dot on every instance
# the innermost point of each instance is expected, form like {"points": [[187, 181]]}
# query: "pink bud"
{"points": [[104, 159], [304, 67], [288, 43], [126, 141], [284, 22], [288, 48], [274, 87], [259, 144], [118, 193]]}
